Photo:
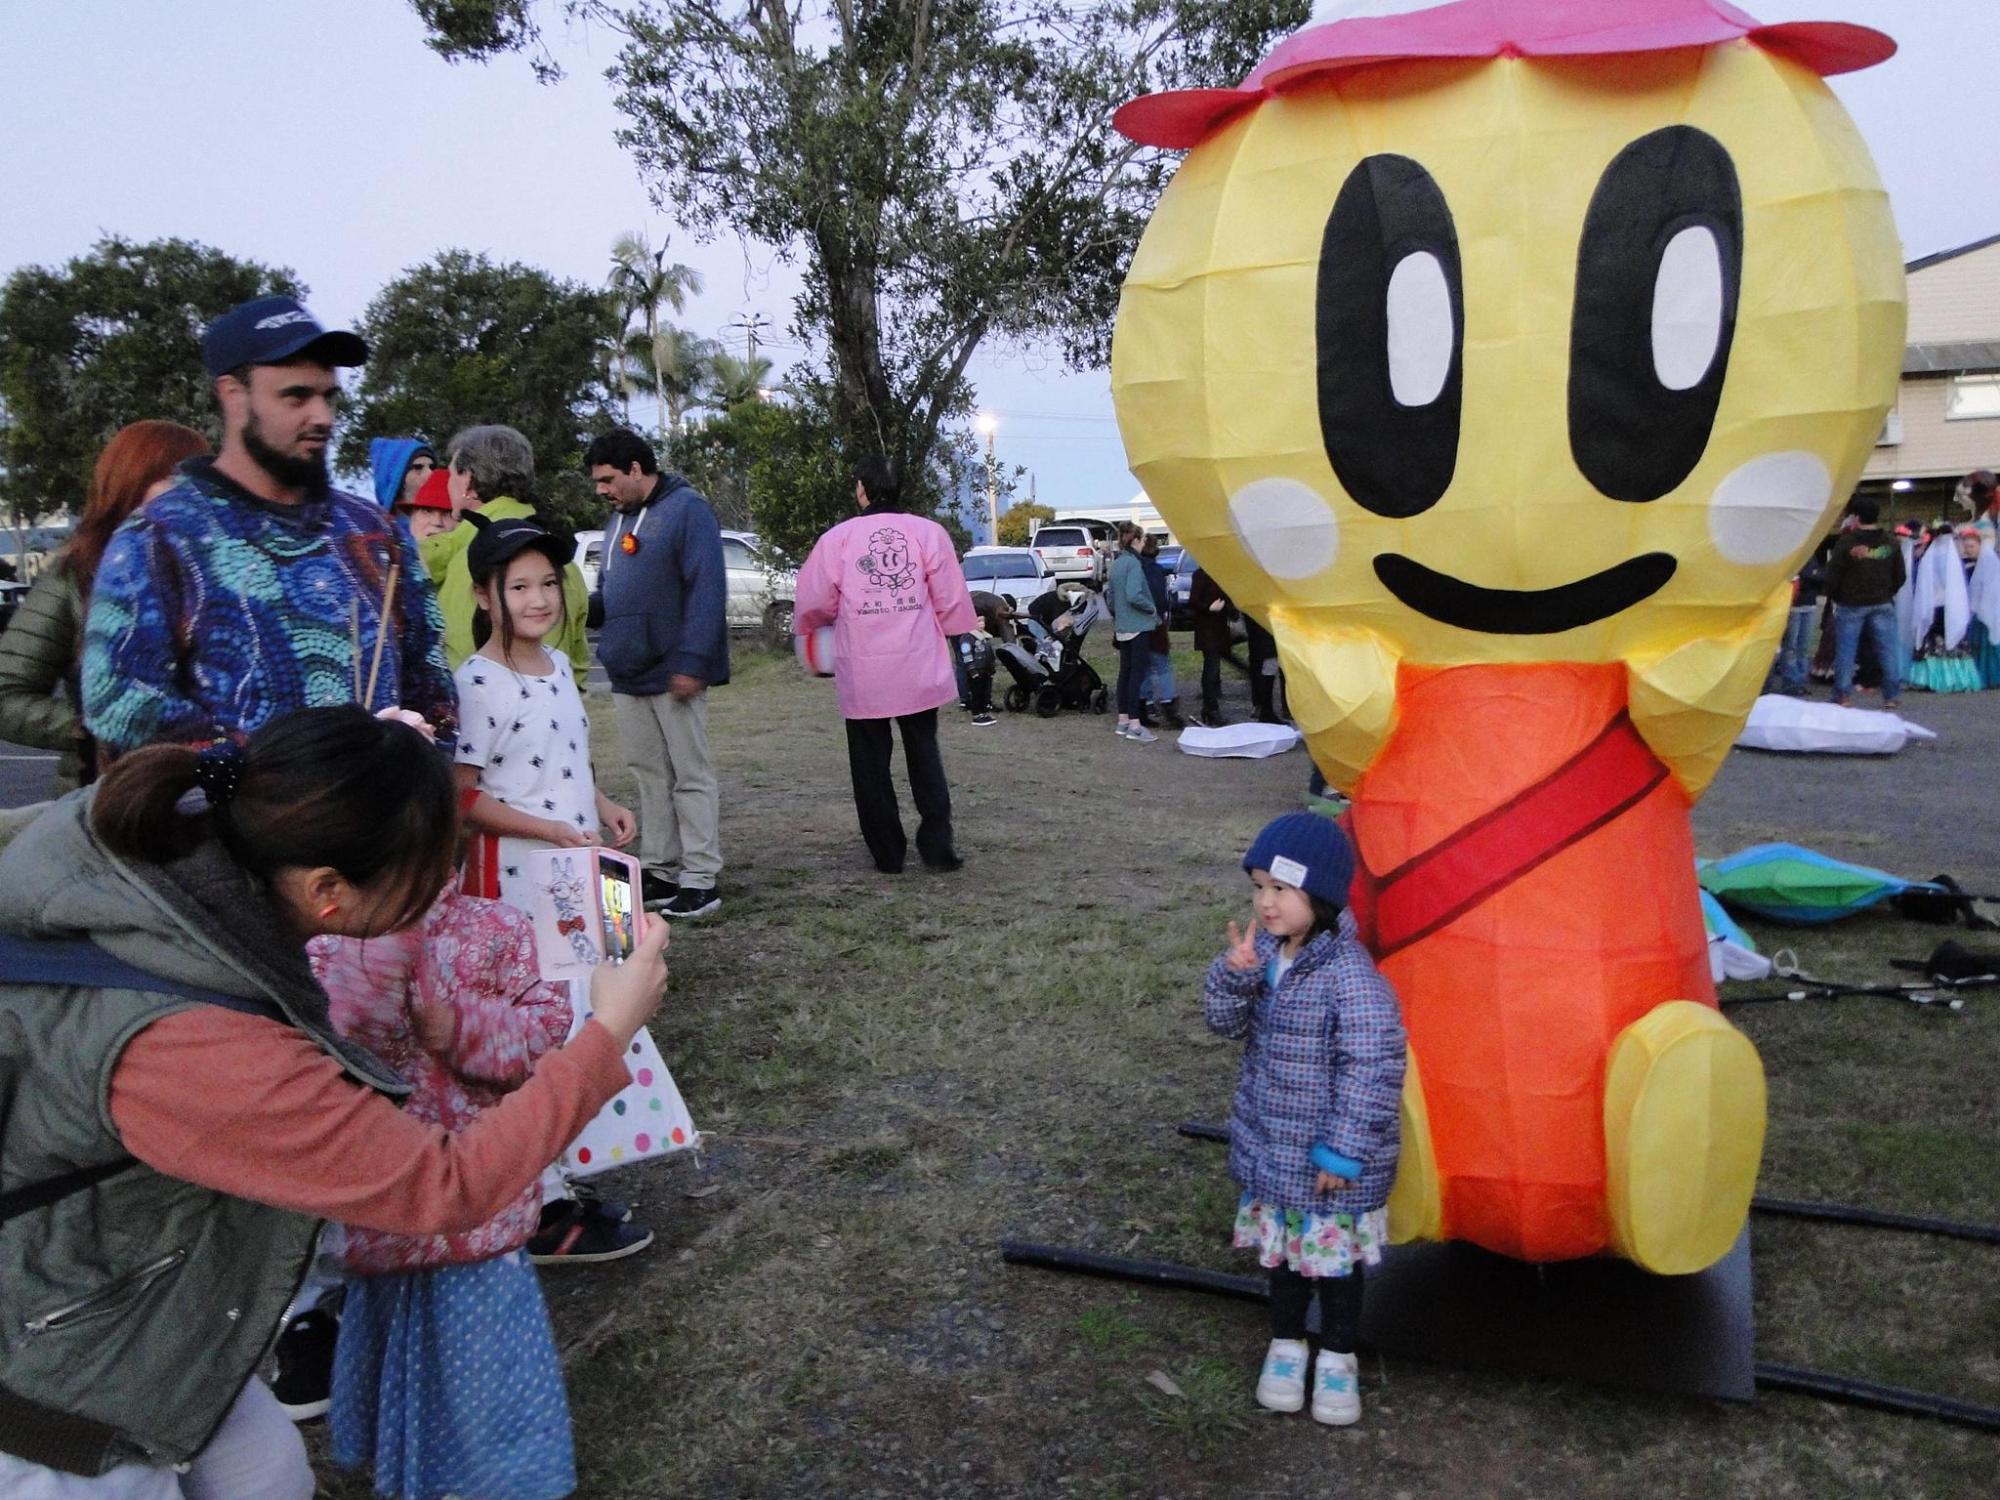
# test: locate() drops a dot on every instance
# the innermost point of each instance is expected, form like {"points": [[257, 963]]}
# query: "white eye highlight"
{"points": [[1687, 309], [1287, 529], [1421, 335]]}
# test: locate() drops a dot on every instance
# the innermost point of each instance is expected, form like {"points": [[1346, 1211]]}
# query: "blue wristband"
{"points": [[1333, 1163]]}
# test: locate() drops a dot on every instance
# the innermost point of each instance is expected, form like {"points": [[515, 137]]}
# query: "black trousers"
{"points": [[1132, 658], [1339, 1307], [869, 743], [979, 692], [1211, 682]]}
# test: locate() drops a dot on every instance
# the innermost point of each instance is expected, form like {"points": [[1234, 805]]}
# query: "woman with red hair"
{"points": [[38, 653]]}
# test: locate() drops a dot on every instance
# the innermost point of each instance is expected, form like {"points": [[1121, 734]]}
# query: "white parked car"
{"points": [[761, 590], [1015, 573], [590, 557], [1070, 548]]}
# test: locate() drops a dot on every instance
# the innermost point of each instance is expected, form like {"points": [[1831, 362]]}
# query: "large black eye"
{"points": [[1657, 281], [1391, 338]]}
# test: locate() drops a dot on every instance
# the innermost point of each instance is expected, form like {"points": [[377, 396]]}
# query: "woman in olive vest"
{"points": [[179, 1115]]}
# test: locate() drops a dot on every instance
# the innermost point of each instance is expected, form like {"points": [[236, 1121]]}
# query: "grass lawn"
{"points": [[898, 1072]]}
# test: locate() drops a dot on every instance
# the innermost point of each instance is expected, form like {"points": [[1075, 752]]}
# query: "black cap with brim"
{"points": [[500, 542]]}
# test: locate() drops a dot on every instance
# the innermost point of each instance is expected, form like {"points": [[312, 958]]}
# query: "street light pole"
{"points": [[990, 424]]}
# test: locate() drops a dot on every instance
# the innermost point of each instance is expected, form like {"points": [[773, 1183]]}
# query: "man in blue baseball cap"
{"points": [[253, 587]]}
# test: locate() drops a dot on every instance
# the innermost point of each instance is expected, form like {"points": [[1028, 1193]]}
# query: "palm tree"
{"points": [[734, 381], [680, 362], [645, 284]]}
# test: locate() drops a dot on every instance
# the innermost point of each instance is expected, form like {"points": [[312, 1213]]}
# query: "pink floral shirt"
{"points": [[477, 957]]}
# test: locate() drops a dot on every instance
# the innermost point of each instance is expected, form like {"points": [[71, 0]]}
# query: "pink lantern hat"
{"points": [[1184, 118]]}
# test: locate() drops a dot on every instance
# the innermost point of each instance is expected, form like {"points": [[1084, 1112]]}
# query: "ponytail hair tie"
{"points": [[217, 770]]}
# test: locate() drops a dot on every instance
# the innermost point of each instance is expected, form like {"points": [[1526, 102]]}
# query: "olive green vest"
{"points": [[133, 1310]]}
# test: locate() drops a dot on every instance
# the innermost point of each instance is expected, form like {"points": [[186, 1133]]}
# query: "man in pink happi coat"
{"points": [[889, 584]]}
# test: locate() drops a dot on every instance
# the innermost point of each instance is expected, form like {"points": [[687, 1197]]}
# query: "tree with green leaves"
{"points": [[461, 340], [111, 337], [1018, 522], [732, 381], [944, 171], [674, 367], [645, 285]]}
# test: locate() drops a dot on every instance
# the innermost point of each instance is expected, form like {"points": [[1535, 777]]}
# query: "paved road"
{"points": [[26, 775]]}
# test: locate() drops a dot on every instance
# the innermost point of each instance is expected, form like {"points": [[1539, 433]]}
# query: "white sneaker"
{"points": [[1336, 1389], [1282, 1385], [1140, 734]]}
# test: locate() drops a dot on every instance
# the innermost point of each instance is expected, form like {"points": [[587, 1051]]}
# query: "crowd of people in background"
{"points": [[1880, 607]]}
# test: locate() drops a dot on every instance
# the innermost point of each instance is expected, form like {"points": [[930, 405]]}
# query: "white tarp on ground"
{"points": [[1241, 741], [1803, 727], [1731, 960]]}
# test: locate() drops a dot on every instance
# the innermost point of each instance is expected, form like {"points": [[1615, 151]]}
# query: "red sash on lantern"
{"points": [[1463, 869]]}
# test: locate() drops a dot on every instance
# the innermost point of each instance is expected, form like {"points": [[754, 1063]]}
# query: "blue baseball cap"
{"points": [[273, 331]]}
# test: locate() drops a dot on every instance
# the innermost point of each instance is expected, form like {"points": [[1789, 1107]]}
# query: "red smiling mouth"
{"points": [[1452, 601]]}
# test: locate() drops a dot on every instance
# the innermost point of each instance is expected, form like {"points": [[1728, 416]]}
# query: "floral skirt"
{"points": [[446, 1383], [1311, 1243]]}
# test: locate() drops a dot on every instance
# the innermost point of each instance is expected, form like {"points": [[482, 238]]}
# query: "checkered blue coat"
{"points": [[1323, 1062]]}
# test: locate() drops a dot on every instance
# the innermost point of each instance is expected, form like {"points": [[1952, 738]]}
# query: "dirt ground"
{"points": [[896, 1073]]}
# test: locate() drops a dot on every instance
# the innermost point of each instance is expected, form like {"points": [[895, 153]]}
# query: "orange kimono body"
{"points": [[1526, 881]]}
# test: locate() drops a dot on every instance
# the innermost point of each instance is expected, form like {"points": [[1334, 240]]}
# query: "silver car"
{"points": [[761, 589]]}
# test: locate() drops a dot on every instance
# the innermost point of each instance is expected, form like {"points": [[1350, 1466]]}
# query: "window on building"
{"points": [[1972, 396]]}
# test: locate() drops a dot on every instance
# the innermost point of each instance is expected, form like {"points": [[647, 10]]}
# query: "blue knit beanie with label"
{"points": [[1308, 851]]}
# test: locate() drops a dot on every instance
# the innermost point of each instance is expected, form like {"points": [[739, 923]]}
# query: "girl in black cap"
{"points": [[524, 755]]}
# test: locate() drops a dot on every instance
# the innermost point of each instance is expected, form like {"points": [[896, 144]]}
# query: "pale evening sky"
{"points": [[329, 139]]}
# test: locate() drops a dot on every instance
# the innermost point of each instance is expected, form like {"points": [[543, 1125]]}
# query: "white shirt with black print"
{"points": [[530, 738]]}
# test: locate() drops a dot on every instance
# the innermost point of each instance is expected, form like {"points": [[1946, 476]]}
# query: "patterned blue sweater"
{"points": [[1323, 1065], [215, 612]]}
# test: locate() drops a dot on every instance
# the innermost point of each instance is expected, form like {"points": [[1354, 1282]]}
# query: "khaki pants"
{"points": [[665, 742]]}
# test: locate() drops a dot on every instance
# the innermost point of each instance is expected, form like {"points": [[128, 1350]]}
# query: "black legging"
{"points": [[1133, 657], [1339, 1307]]}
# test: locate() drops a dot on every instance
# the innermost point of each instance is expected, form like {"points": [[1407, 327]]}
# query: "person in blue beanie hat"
{"points": [[1314, 1129], [400, 465]]}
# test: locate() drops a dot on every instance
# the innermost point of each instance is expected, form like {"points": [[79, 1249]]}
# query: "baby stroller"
{"points": [[1047, 662]]}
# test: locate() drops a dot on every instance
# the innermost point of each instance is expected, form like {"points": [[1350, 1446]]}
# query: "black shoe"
{"points": [[889, 866], [945, 863], [656, 891], [692, 901], [1173, 716], [304, 1382], [1146, 717], [983, 719], [570, 1235], [611, 1210]]}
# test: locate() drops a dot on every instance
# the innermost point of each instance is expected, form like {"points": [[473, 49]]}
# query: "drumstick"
{"points": [[381, 635]]}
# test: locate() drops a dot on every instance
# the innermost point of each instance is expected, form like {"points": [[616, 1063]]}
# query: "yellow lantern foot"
{"points": [[1683, 1133], [1416, 1203]]}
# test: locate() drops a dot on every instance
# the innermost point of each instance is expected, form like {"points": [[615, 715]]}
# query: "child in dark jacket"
{"points": [[1314, 1130]]}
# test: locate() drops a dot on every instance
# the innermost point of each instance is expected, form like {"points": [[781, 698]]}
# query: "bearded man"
{"points": [[253, 587]]}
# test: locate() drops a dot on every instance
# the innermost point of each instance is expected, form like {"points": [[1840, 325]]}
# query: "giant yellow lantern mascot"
{"points": [[1507, 357]]}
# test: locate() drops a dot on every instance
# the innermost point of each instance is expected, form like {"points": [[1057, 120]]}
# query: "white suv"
{"points": [[1071, 552], [760, 590]]}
